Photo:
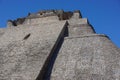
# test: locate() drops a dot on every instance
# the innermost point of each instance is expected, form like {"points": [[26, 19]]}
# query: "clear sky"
{"points": [[104, 15]]}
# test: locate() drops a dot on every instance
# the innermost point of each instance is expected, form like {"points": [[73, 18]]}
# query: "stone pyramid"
{"points": [[56, 45]]}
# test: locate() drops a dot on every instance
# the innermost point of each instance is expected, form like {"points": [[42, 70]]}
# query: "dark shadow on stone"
{"points": [[27, 36], [45, 72], [17, 22], [65, 15], [92, 28]]}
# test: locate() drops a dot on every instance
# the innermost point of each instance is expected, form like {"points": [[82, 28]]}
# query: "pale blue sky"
{"points": [[104, 15]]}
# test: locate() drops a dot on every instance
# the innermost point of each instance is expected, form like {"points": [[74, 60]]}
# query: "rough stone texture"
{"points": [[23, 59], [47, 20], [60, 14], [2, 31], [74, 21], [80, 29], [85, 55], [56, 45], [90, 57]]}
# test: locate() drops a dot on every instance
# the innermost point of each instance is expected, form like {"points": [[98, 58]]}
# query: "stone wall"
{"points": [[89, 57], [2, 31], [80, 29], [36, 18], [24, 49], [56, 45]]}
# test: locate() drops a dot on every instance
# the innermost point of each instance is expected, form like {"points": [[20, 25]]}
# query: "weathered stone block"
{"points": [[56, 45], [80, 29], [92, 57], [23, 59]]}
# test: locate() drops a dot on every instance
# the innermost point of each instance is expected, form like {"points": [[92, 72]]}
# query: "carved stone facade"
{"points": [[56, 45]]}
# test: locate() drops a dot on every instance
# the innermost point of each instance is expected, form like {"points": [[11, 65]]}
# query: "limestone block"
{"points": [[41, 20], [23, 58], [57, 41], [78, 21], [80, 29], [88, 57], [2, 31]]}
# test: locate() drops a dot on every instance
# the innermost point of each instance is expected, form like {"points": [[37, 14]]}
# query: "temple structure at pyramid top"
{"points": [[52, 14], [56, 45]]}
